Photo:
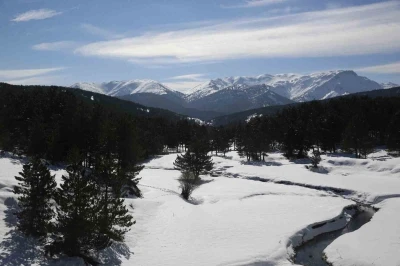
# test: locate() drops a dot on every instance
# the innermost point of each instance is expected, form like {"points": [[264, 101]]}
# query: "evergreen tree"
{"points": [[113, 218], [196, 159], [78, 209], [356, 138], [393, 140], [36, 189]]}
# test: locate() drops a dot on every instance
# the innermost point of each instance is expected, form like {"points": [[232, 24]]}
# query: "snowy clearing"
{"points": [[236, 221]]}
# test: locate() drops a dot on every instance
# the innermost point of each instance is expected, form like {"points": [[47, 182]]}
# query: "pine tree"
{"points": [[114, 220], [196, 159], [78, 209], [356, 138], [37, 188], [393, 140]]}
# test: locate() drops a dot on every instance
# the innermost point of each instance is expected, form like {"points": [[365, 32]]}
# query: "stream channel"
{"points": [[311, 253]]}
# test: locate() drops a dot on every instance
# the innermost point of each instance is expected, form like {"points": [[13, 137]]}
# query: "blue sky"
{"points": [[184, 42]]}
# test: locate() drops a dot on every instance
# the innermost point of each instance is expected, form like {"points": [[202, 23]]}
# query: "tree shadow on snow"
{"points": [[261, 163], [113, 255], [16, 249]]}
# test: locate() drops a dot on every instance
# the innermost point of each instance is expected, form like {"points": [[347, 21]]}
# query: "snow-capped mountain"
{"points": [[233, 94], [296, 87], [238, 98], [122, 88], [388, 85]]}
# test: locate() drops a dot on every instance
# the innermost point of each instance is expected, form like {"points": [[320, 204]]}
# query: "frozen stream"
{"points": [[311, 253]]}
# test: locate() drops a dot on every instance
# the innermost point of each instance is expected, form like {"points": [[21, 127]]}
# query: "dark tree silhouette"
{"points": [[36, 189]]}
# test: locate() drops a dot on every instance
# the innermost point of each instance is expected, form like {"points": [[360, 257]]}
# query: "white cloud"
{"points": [[54, 46], [256, 3], [100, 31], [25, 73], [185, 83], [360, 30], [194, 77], [42, 80], [183, 86], [36, 15], [392, 68]]}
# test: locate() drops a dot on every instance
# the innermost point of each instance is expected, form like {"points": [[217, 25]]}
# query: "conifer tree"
{"points": [[196, 159], [36, 189], [78, 208], [113, 218], [356, 138], [393, 141]]}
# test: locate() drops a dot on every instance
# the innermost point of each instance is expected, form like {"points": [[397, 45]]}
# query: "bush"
{"points": [[188, 183]]}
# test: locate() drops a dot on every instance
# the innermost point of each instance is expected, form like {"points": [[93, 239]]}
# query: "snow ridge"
{"points": [[122, 88], [315, 86]]}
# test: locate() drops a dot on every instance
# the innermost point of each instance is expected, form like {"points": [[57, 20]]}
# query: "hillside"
{"points": [[270, 110], [108, 101]]}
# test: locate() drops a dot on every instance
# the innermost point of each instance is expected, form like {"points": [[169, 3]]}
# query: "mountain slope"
{"points": [[239, 98], [270, 110], [120, 88], [389, 85], [106, 101], [299, 88], [155, 92]]}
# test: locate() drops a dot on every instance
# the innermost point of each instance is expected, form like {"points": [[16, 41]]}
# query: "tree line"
{"points": [[352, 124]]}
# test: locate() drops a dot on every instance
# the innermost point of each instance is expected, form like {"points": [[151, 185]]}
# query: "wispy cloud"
{"points": [[26, 73], [41, 80], [255, 3], [54, 46], [185, 83], [37, 14], [392, 68], [94, 30], [194, 77], [359, 30]]}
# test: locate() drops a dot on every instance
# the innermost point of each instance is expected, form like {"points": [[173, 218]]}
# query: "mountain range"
{"points": [[234, 94]]}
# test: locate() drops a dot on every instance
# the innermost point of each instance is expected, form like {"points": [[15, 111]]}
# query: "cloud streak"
{"points": [[185, 83], [37, 14], [194, 77], [256, 3], [26, 73], [360, 30], [94, 30], [54, 46], [392, 68]]}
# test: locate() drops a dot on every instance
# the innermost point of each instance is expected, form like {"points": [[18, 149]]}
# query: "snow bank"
{"points": [[376, 243], [369, 179]]}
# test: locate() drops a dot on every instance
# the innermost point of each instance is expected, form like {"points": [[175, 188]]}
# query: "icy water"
{"points": [[311, 253]]}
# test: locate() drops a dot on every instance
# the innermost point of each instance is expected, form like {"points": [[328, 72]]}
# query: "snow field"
{"points": [[236, 221]]}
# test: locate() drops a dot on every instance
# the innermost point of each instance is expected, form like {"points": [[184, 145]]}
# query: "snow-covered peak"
{"points": [[320, 85], [122, 88], [388, 85]]}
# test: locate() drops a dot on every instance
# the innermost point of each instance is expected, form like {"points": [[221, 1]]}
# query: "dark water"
{"points": [[310, 253]]}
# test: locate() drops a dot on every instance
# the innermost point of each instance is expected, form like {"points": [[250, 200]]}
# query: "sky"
{"points": [[182, 43]]}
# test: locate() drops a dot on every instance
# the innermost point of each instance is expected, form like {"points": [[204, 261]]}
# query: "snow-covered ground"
{"points": [[232, 220]]}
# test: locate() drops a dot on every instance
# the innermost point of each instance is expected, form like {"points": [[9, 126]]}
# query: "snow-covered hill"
{"points": [[122, 88], [315, 86]]}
